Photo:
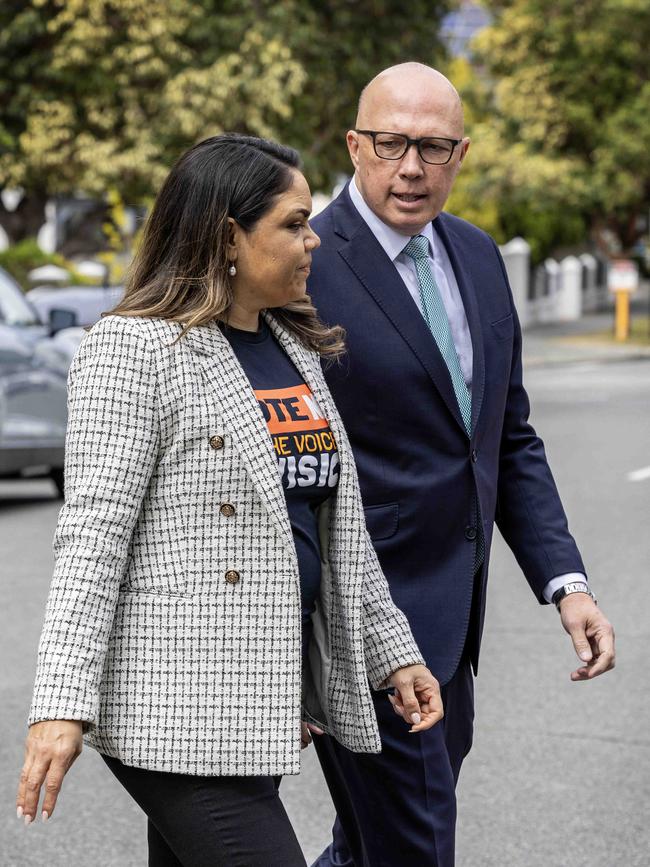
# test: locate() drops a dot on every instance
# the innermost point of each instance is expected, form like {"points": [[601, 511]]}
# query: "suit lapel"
{"points": [[243, 420], [378, 275], [459, 255]]}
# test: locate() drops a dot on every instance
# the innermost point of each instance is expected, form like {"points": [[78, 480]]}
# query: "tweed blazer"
{"points": [[173, 629]]}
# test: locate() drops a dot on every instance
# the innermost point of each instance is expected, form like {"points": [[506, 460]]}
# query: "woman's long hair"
{"points": [[180, 271]]}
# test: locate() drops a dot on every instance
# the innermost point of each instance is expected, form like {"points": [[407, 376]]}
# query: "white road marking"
{"points": [[639, 475]]}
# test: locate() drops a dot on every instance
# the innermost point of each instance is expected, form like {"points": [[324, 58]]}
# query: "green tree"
{"points": [[104, 94], [561, 120], [508, 189], [342, 45]]}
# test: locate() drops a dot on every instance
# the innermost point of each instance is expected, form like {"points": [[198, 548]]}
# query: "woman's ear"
{"points": [[233, 232]]}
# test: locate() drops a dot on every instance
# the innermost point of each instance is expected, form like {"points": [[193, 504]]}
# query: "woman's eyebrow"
{"points": [[303, 211]]}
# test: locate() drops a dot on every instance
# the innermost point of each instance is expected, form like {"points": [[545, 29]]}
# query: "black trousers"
{"points": [[398, 807], [211, 821]]}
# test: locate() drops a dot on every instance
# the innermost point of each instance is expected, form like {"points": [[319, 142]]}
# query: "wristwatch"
{"points": [[567, 589]]}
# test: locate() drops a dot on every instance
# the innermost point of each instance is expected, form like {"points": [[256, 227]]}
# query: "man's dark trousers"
{"points": [[359, 786], [430, 488]]}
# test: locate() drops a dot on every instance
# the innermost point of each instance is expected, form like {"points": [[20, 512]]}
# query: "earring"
{"points": [[232, 270]]}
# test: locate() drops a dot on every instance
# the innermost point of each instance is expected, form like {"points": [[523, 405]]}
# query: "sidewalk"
{"points": [[582, 341]]}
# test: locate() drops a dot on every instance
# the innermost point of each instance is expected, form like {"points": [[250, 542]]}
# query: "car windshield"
{"points": [[14, 309]]}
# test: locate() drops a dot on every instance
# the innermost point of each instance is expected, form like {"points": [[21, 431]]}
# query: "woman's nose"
{"points": [[312, 241]]}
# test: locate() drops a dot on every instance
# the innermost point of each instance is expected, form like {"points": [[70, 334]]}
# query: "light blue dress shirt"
{"points": [[393, 243]]}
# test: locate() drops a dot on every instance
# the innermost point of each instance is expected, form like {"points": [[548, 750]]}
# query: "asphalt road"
{"points": [[560, 772]]}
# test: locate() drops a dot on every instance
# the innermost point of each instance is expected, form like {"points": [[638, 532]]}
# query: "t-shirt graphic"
{"points": [[302, 439], [306, 450]]}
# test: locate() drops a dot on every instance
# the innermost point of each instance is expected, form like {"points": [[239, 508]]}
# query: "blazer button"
{"points": [[470, 533], [232, 577], [227, 510], [474, 456], [216, 442]]}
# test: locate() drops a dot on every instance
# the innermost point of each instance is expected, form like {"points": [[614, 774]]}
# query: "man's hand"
{"points": [[417, 697], [51, 748], [592, 635]]}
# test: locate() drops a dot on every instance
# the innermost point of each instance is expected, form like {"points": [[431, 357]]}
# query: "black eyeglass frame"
{"points": [[373, 133]]}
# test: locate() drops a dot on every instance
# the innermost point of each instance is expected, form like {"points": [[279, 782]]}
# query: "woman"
{"points": [[200, 597]]}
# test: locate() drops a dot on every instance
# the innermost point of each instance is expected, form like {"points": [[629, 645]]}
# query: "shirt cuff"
{"points": [[559, 581]]}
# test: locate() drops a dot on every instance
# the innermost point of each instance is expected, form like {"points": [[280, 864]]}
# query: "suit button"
{"points": [[227, 510], [232, 577], [470, 533], [474, 456], [216, 442]]}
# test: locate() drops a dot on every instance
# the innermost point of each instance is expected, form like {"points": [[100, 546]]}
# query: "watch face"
{"points": [[568, 589]]}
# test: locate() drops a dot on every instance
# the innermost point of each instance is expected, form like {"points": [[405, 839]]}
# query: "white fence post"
{"points": [[547, 303], [46, 237], [569, 298], [516, 257], [589, 281]]}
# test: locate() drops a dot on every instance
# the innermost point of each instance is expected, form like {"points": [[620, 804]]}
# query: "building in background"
{"points": [[460, 26]]}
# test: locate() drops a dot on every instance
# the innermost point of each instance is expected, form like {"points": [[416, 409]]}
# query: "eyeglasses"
{"points": [[393, 145]]}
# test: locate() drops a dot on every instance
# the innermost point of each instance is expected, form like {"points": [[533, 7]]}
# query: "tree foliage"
{"points": [[104, 94], [560, 116], [342, 44]]}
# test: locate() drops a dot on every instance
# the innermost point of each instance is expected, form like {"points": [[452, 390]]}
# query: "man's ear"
{"points": [[464, 147], [352, 140]]}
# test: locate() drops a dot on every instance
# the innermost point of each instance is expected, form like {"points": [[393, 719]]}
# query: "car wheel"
{"points": [[57, 477]]}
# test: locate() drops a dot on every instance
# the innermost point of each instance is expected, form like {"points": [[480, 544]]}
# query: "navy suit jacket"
{"points": [[421, 474]]}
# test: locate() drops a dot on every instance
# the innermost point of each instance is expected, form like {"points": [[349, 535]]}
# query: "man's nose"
{"points": [[411, 163]]}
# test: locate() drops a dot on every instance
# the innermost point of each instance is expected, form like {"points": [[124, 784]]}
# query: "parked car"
{"points": [[35, 355], [33, 411], [39, 335], [86, 302], [17, 313]]}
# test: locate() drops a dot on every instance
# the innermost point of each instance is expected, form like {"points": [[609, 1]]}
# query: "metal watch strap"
{"points": [[568, 589]]}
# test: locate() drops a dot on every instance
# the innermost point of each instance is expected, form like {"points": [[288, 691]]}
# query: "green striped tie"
{"points": [[436, 318], [438, 322]]}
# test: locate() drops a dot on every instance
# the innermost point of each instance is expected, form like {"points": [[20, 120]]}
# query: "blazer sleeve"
{"points": [[387, 638], [111, 449], [529, 512]]}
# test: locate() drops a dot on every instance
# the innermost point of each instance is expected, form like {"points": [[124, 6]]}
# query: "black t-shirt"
{"points": [[308, 460]]}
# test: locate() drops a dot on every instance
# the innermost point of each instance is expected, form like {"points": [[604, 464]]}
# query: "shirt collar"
{"points": [[392, 242]]}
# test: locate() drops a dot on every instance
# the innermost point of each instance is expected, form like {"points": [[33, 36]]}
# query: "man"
{"points": [[431, 394]]}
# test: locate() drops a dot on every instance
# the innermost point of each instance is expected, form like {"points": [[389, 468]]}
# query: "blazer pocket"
{"points": [[382, 521], [504, 328]]}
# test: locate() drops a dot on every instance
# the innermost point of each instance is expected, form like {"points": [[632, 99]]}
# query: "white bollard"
{"points": [[569, 298], [589, 291], [516, 257], [47, 234], [548, 303]]}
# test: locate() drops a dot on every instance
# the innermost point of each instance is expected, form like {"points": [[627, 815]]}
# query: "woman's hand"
{"points": [[417, 697], [305, 736], [50, 749]]}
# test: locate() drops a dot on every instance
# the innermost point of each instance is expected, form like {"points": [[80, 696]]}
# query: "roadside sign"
{"points": [[623, 276]]}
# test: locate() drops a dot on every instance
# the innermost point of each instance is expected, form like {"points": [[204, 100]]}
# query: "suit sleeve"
{"points": [[529, 512], [387, 638], [111, 450]]}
